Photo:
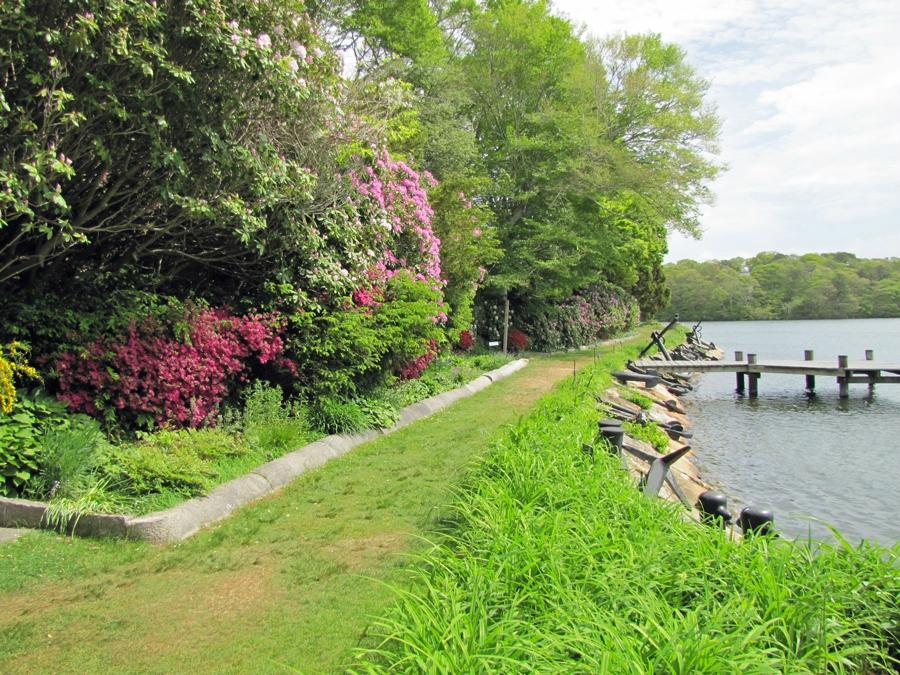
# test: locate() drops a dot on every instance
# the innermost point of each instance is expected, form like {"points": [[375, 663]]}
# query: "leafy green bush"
{"points": [[354, 349], [380, 414], [588, 315], [269, 423], [20, 432], [332, 415]]}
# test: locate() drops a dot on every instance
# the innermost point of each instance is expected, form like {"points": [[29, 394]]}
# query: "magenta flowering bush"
{"points": [[170, 375], [411, 370]]}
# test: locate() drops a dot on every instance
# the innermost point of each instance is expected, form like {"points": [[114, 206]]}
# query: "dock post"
{"points": [[844, 380], [810, 379], [754, 377], [873, 376], [739, 356]]}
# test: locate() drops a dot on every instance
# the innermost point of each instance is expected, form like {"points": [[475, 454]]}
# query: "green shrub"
{"points": [[268, 423], [20, 433], [68, 459], [332, 415], [178, 461], [404, 393], [346, 351], [588, 315]]}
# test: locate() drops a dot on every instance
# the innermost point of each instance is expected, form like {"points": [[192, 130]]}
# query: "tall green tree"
{"points": [[595, 150]]}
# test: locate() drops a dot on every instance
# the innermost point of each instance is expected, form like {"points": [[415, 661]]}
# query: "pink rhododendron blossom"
{"points": [[399, 201], [264, 41]]}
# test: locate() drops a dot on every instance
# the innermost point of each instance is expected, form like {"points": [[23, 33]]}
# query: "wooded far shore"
{"points": [[778, 286]]}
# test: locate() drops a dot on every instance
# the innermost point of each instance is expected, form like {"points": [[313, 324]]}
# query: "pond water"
{"points": [[813, 460]]}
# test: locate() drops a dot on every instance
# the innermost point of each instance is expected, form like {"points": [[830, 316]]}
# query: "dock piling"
{"points": [[739, 376], [754, 377], [843, 380], [873, 376], [810, 379]]}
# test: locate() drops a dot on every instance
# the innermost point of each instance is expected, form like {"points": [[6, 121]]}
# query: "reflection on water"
{"points": [[806, 457]]}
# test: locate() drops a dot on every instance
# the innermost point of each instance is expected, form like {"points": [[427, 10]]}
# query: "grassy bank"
{"points": [[291, 582], [557, 564]]}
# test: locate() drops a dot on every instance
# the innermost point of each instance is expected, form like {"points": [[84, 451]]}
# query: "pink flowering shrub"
{"points": [[413, 369], [172, 375], [517, 341], [396, 197], [466, 340], [588, 315]]}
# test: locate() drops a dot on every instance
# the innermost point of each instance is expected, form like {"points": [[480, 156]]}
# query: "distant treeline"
{"points": [[777, 286]]}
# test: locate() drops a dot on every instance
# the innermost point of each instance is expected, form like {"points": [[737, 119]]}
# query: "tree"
{"points": [[592, 148]]}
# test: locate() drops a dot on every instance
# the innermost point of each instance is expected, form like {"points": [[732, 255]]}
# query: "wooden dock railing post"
{"points": [[739, 376], [754, 377], [843, 380], [810, 379]]}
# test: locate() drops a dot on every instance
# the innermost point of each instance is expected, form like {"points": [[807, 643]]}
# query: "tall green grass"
{"points": [[556, 563]]}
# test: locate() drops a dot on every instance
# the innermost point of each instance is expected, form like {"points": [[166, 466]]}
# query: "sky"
{"points": [[809, 95]]}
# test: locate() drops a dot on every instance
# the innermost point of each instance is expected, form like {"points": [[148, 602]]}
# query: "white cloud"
{"points": [[810, 95]]}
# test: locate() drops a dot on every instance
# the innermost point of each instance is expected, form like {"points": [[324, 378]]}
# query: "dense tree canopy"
{"points": [[776, 286], [300, 161]]}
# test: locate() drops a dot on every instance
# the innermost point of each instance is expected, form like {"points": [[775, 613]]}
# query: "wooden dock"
{"points": [[846, 372]]}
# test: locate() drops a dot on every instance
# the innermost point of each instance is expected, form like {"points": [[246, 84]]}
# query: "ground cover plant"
{"points": [[650, 432], [556, 563], [636, 397]]}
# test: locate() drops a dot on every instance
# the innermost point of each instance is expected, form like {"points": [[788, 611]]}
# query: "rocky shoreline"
{"points": [[683, 481]]}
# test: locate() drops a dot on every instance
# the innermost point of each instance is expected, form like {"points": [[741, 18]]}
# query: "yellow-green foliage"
{"points": [[637, 398], [13, 366], [650, 432]]}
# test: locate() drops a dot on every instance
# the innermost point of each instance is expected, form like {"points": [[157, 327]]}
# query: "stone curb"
{"points": [[186, 519]]}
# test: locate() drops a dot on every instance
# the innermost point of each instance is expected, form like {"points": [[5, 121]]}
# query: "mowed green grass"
{"points": [[288, 583]]}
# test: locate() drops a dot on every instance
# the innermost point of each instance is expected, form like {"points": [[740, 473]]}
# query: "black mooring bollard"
{"points": [[714, 508], [757, 520], [609, 422], [615, 435]]}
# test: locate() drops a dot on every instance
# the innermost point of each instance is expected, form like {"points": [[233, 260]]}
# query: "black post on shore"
{"points": [[739, 356], [810, 379]]}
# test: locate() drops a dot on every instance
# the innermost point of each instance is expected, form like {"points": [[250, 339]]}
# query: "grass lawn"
{"points": [[289, 583]]}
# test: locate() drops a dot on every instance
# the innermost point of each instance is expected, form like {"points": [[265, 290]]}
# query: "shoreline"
{"points": [[668, 413]]}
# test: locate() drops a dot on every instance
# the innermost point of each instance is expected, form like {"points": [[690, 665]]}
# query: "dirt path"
{"points": [[289, 583]]}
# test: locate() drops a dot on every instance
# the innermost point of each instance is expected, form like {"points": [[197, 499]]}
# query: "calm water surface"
{"points": [[807, 458]]}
